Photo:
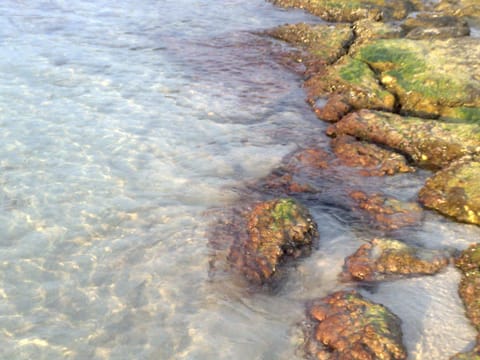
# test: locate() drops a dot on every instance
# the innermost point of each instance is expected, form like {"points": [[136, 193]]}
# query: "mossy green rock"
{"points": [[455, 191], [429, 143], [351, 10], [276, 229], [382, 259], [325, 43], [348, 326], [429, 77], [354, 82]]}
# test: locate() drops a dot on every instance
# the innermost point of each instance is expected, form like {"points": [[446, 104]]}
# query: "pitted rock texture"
{"points": [[348, 326], [455, 191], [382, 259], [429, 143], [277, 229]]}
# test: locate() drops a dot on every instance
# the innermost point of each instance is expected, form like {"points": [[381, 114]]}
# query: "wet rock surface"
{"points": [[386, 213], [383, 259], [349, 84], [323, 43], [295, 173], [347, 326], [469, 264], [350, 10], [430, 25], [370, 158], [429, 143], [455, 191], [459, 7], [276, 229]]}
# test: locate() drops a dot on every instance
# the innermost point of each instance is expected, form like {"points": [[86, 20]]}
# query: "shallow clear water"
{"points": [[123, 126]]}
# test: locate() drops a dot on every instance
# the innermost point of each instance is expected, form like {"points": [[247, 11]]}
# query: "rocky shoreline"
{"points": [[400, 85]]}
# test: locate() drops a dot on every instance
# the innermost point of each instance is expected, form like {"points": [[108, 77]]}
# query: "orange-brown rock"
{"points": [[381, 259], [348, 326], [277, 229], [385, 212], [370, 158]]}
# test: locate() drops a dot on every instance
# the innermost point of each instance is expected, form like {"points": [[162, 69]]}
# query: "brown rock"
{"points": [[372, 159], [387, 213], [348, 326], [382, 259], [277, 229], [429, 143], [350, 10]]}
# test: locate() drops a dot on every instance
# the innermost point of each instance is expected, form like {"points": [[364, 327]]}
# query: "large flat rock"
{"points": [[429, 143]]}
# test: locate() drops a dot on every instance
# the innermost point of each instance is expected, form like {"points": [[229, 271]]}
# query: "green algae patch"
{"points": [[430, 77], [355, 84], [462, 114], [350, 10], [325, 43], [345, 325], [276, 229], [382, 259], [455, 191], [429, 143]]}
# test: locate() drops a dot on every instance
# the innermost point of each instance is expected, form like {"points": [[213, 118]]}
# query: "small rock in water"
{"points": [[383, 259], [386, 212], [347, 326], [277, 229]]}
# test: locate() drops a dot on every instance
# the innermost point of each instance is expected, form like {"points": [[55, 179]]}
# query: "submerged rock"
{"points": [[350, 10], [474, 354], [385, 212], [324, 43], [382, 259], [428, 77], [455, 191], [277, 229], [348, 326], [292, 176], [469, 290], [372, 159], [429, 143]]}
